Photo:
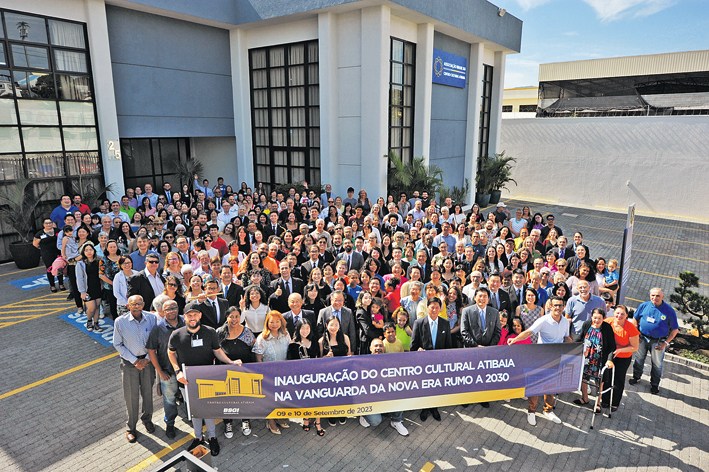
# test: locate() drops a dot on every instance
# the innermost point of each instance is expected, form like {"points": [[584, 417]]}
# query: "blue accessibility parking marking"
{"points": [[31, 283], [79, 321]]}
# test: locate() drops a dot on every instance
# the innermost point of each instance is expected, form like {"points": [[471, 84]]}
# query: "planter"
{"points": [[482, 199], [495, 197], [26, 256]]}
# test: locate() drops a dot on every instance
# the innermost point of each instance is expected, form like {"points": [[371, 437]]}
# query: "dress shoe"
{"points": [[633, 381], [170, 431], [214, 446], [424, 415], [149, 427], [195, 442], [131, 436], [485, 404], [655, 390], [435, 414]]}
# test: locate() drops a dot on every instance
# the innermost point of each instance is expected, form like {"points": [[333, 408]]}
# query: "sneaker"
{"points": [[343, 420], [89, 325], [399, 427], [363, 421], [97, 328], [655, 390], [246, 427], [214, 446], [195, 442], [532, 419], [331, 421], [633, 381], [228, 430], [552, 416]]}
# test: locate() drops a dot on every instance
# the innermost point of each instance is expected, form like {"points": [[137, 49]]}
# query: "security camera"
{"points": [[501, 12]]}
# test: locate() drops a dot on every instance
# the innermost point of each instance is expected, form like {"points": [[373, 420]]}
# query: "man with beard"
{"points": [[354, 260], [191, 345]]}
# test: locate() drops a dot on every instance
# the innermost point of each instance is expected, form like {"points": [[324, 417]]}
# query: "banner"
{"points": [[449, 69], [380, 383]]}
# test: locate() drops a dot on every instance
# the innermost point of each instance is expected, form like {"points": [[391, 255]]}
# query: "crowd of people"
{"points": [[208, 274]]}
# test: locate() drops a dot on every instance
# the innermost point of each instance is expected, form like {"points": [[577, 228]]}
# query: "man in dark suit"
{"points": [[423, 264], [213, 308], [347, 320], [562, 250], [429, 248], [325, 255], [354, 260], [296, 313], [273, 229], [499, 299], [315, 261], [147, 283], [396, 259], [282, 287], [516, 290], [232, 292], [422, 340], [480, 324]]}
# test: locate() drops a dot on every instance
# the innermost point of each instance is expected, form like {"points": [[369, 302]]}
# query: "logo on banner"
{"points": [[237, 384]]}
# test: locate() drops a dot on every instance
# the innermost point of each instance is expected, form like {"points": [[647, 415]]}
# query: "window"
{"points": [[285, 113], [506, 108], [528, 108], [402, 71], [485, 104], [154, 161], [53, 142]]}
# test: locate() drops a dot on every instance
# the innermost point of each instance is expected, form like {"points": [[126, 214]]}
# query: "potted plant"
{"points": [[500, 171], [18, 202], [415, 176]]}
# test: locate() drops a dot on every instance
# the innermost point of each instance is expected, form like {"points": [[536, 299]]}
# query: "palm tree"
{"points": [[415, 176]]}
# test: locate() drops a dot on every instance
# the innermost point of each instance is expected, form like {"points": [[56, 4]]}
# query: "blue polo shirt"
{"points": [[580, 310], [656, 321]]}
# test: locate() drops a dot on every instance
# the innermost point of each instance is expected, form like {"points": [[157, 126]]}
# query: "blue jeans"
{"points": [[656, 357], [169, 391], [375, 420]]}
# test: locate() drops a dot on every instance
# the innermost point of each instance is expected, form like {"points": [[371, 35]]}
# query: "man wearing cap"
{"points": [[191, 345], [501, 214], [657, 323], [130, 336]]}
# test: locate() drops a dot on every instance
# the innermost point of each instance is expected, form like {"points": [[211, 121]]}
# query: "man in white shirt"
{"points": [[551, 328]]}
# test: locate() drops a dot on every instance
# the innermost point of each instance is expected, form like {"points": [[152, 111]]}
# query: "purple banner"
{"points": [[346, 386]]}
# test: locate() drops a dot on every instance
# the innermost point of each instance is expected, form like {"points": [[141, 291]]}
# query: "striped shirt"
{"points": [[130, 335]]}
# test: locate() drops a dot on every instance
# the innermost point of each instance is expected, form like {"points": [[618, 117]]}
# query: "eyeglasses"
{"points": [[561, 265], [557, 305], [152, 262], [207, 240], [172, 285], [171, 309]]}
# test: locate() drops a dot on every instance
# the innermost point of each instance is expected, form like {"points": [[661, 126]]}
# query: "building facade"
{"points": [[260, 91]]}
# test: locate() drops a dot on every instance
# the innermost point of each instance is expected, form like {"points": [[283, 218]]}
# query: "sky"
{"points": [[574, 30]]}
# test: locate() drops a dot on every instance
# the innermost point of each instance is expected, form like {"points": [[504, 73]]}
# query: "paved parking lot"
{"points": [[63, 408]]}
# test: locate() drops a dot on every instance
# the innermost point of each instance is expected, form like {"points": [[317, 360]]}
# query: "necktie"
{"points": [[496, 300], [274, 229], [519, 296], [216, 310], [296, 318], [337, 314], [185, 258], [348, 262], [434, 333], [482, 317], [288, 287]]}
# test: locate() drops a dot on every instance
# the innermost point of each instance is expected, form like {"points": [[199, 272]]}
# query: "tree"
{"points": [[415, 176], [688, 301]]}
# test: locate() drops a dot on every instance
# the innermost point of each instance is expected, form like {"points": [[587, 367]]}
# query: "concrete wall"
{"points": [[171, 77], [659, 163], [449, 109]]}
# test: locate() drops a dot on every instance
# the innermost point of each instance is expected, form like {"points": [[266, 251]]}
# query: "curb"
{"points": [[688, 362]]}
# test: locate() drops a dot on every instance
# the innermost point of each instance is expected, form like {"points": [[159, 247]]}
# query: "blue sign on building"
{"points": [[449, 69]]}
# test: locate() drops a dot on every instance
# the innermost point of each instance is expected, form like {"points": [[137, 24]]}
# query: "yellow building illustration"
{"points": [[237, 384]]}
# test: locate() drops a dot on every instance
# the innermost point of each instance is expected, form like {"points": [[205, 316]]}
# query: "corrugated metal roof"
{"points": [[669, 63], [679, 100]]}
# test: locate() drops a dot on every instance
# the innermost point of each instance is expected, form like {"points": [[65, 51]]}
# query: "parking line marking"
{"points": [[665, 276], [644, 235], [427, 467], [648, 223], [19, 271], [56, 376]]}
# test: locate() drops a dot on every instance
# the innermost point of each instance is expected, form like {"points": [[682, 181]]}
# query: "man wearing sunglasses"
{"points": [[147, 283]]}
